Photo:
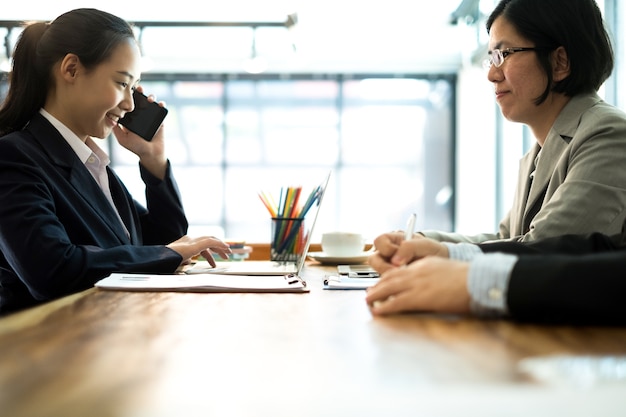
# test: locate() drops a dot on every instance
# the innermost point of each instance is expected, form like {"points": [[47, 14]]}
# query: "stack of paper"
{"points": [[203, 283]]}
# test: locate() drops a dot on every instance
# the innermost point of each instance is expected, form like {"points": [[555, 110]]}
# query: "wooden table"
{"points": [[114, 354]]}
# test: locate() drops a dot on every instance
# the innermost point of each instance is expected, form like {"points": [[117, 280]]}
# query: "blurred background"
{"points": [[390, 96]]}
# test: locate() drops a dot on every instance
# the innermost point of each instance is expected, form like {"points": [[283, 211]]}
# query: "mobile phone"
{"points": [[146, 118], [357, 271]]}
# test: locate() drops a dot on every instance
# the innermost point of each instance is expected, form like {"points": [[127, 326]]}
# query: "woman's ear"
{"points": [[560, 64], [69, 67]]}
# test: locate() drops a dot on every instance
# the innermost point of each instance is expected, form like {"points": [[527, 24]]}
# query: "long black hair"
{"points": [[577, 26], [89, 33]]}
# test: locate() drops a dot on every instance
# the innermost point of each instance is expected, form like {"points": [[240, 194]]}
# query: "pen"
{"points": [[410, 226]]}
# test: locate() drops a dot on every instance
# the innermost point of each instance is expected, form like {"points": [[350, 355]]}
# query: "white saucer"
{"points": [[321, 257]]}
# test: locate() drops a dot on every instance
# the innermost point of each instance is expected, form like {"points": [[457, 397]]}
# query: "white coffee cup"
{"points": [[342, 244]]}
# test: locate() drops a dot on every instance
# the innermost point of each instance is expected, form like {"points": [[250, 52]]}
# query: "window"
{"points": [[389, 142]]}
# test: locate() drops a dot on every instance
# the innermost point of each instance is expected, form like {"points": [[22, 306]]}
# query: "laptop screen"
{"points": [[318, 205], [270, 267]]}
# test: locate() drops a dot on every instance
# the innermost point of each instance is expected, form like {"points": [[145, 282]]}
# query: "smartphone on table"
{"points": [[357, 271], [146, 118]]}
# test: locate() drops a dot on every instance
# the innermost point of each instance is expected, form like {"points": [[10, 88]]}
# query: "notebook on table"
{"points": [[266, 267], [203, 283]]}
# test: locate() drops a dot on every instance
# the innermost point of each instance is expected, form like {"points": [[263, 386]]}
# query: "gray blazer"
{"points": [[579, 184]]}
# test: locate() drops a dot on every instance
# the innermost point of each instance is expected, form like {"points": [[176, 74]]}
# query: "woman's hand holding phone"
{"points": [[146, 118], [129, 133]]}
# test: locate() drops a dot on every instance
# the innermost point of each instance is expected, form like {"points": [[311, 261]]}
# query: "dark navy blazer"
{"points": [[570, 279], [58, 232]]}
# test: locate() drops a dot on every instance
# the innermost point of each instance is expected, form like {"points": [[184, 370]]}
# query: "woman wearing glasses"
{"points": [[547, 60]]}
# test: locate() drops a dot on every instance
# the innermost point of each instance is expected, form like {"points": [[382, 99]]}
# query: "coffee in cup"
{"points": [[342, 244]]}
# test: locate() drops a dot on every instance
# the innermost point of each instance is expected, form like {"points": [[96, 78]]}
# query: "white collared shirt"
{"points": [[90, 154]]}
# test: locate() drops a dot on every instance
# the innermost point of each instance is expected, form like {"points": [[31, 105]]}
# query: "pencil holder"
{"points": [[288, 239]]}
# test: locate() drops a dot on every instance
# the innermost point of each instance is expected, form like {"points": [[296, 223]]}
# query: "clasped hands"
{"points": [[416, 275]]}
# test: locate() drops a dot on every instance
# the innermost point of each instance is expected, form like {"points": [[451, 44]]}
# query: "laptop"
{"points": [[266, 267]]}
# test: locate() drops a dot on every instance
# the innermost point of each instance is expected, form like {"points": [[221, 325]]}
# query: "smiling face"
{"points": [[520, 79], [99, 97]]}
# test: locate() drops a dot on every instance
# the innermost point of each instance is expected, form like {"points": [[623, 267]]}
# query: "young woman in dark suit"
{"points": [[66, 219]]}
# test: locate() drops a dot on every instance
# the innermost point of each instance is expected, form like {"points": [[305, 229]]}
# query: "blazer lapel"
{"points": [[548, 159], [86, 186], [79, 177], [556, 143], [519, 209], [124, 205]]}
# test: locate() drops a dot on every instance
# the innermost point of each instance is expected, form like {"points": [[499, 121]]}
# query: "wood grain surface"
{"points": [[108, 353]]}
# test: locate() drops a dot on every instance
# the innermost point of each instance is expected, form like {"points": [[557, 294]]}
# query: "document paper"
{"points": [[203, 283]]}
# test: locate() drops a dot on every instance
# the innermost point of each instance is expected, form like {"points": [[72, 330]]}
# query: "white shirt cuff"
{"points": [[462, 251], [488, 282]]}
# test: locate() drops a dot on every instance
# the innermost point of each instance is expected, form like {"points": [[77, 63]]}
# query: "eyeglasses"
{"points": [[497, 56]]}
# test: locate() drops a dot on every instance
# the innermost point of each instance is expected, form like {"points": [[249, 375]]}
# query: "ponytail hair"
{"points": [[27, 87], [89, 33]]}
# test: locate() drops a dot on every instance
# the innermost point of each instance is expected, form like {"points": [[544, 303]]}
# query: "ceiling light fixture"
{"points": [[255, 64], [291, 25], [146, 62]]}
